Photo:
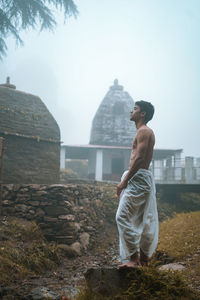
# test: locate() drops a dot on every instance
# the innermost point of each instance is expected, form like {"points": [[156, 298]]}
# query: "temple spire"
{"points": [[116, 85]]}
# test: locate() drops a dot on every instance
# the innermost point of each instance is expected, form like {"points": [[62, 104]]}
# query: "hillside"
{"points": [[29, 262]]}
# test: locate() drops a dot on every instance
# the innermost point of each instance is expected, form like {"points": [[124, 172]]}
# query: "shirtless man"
{"points": [[136, 217]]}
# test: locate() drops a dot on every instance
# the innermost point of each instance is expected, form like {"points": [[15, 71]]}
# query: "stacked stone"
{"points": [[69, 214]]}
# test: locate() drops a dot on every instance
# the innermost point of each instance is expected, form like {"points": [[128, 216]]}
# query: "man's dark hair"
{"points": [[147, 107]]}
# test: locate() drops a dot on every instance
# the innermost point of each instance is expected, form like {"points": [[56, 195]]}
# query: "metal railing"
{"points": [[177, 174]]}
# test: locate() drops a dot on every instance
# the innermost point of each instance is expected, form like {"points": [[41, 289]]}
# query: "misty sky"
{"points": [[151, 46]]}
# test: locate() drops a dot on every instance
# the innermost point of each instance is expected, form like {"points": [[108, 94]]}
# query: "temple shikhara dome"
{"points": [[111, 124]]}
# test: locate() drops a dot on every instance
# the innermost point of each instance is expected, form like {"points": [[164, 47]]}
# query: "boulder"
{"points": [[42, 292], [172, 267], [84, 239], [67, 250], [109, 281], [77, 248]]}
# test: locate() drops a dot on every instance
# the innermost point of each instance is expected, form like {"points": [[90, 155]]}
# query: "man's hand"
{"points": [[122, 185]]}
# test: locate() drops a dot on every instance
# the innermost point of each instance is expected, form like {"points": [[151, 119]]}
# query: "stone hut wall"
{"points": [[69, 214], [31, 138], [28, 160]]}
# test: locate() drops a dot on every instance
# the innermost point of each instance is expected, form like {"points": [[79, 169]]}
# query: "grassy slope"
{"points": [[24, 251], [180, 238]]}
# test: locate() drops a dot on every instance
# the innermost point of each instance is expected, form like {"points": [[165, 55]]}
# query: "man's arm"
{"points": [[143, 138]]}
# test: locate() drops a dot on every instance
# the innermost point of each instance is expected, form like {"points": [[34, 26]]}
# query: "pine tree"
{"points": [[16, 15]]}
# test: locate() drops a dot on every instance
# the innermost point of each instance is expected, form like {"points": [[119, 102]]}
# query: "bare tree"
{"points": [[16, 15]]}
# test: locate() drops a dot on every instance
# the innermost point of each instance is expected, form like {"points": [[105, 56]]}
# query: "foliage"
{"points": [[79, 166], [16, 15], [183, 202], [24, 251], [68, 174]]}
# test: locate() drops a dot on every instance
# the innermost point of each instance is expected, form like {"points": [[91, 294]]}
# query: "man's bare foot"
{"points": [[131, 264]]}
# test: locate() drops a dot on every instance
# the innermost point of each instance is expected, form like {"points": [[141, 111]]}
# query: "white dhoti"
{"points": [[137, 216]]}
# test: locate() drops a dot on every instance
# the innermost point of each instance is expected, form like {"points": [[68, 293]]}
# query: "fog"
{"points": [[151, 46]]}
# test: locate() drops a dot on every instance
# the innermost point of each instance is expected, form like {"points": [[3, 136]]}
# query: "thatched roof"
{"points": [[25, 115]]}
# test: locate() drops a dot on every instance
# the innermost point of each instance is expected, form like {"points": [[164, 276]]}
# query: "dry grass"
{"points": [[24, 251], [180, 238]]}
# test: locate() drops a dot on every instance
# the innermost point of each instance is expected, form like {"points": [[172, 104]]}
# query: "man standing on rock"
{"points": [[137, 216]]}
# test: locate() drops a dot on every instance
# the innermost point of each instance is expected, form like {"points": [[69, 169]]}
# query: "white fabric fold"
{"points": [[137, 216]]}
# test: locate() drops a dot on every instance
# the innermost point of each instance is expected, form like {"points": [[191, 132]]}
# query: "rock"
{"points": [[67, 250], [84, 201], [84, 239], [6, 202], [172, 266], [109, 281], [36, 186], [67, 239], [98, 203], [49, 219], [44, 203], [68, 204], [101, 223], [34, 203], [9, 187], [23, 197], [90, 228], [77, 227], [77, 248], [58, 185], [41, 193], [67, 217], [42, 292], [55, 210], [40, 212], [21, 207]]}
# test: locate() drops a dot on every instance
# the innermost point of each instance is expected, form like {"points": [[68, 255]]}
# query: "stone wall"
{"points": [[69, 214], [28, 160]]}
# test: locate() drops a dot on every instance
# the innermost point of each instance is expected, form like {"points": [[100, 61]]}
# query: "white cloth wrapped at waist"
{"points": [[137, 216]]}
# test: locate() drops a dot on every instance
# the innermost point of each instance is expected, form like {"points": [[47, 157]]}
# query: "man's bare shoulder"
{"points": [[145, 131]]}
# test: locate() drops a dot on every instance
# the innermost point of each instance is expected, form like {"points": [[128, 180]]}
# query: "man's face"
{"points": [[135, 114]]}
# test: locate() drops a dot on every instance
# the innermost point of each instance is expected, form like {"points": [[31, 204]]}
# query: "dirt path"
{"points": [[67, 279]]}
